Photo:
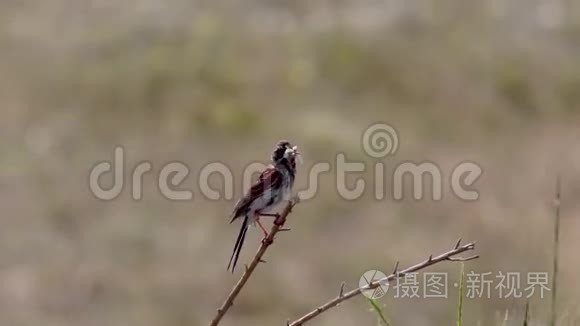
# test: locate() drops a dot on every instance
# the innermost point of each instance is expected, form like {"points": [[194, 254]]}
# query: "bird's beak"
{"points": [[297, 153]]}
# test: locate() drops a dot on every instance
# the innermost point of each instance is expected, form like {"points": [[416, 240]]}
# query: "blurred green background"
{"points": [[495, 82]]}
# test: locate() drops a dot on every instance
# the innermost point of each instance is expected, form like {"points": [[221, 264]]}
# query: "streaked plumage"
{"points": [[273, 184]]}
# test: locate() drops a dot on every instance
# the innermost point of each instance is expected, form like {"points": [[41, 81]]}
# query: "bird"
{"points": [[274, 184]]}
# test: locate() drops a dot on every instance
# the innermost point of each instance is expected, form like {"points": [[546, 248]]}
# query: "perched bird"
{"points": [[274, 184]]}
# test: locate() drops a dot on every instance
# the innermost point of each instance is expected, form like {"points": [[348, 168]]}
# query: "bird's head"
{"points": [[285, 150]]}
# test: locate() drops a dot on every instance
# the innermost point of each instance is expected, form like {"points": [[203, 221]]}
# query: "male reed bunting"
{"points": [[274, 184]]}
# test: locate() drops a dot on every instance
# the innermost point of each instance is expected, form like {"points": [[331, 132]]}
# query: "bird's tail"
{"points": [[238, 246]]}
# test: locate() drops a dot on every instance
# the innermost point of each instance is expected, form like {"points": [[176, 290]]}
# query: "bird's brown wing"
{"points": [[269, 179]]}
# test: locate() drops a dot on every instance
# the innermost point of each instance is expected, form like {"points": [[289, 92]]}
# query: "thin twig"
{"points": [[463, 258], [448, 256], [267, 242], [557, 203], [526, 313]]}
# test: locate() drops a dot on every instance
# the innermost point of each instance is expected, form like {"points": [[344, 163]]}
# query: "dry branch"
{"points": [[267, 242], [447, 256]]}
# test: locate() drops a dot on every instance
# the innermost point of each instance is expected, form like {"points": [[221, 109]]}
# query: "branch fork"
{"points": [[447, 256]]}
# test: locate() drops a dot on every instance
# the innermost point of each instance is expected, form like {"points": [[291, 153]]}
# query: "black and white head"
{"points": [[285, 151]]}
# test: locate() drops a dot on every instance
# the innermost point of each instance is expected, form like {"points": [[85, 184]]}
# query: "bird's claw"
{"points": [[295, 199]]}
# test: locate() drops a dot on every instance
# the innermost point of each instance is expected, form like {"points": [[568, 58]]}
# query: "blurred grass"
{"points": [[556, 253], [460, 296], [380, 311], [222, 81]]}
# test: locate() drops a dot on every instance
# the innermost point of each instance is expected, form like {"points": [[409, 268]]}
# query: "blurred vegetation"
{"points": [[495, 82]]}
